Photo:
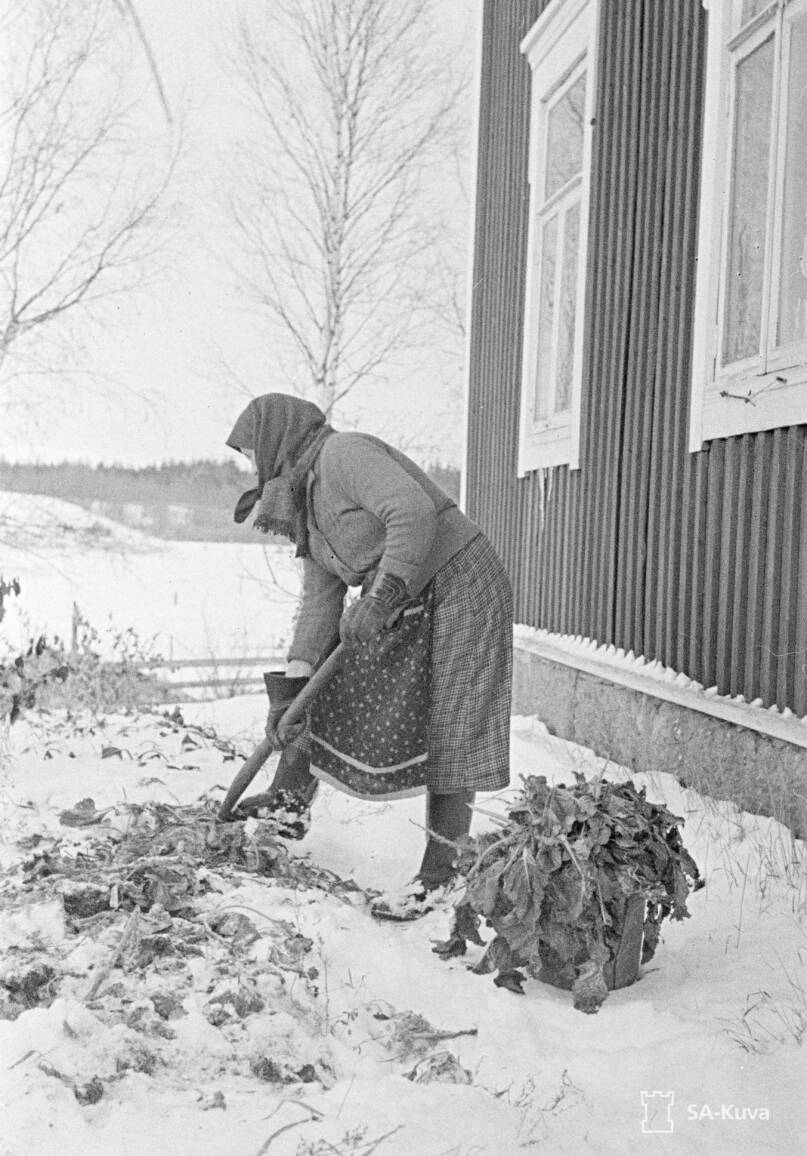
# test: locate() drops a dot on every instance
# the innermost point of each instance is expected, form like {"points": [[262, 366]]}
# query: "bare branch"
{"points": [[353, 108], [81, 208], [128, 6]]}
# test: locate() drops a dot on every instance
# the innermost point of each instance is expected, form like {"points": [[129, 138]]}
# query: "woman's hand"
{"points": [[363, 620], [281, 737], [366, 618]]}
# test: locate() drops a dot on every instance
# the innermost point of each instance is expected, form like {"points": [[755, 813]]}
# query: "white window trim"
{"points": [[575, 21], [728, 405]]}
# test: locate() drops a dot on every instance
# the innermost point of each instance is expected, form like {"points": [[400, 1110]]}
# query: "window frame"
{"points": [[560, 46], [767, 390]]}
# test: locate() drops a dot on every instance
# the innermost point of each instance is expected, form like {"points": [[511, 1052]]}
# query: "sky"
{"points": [[154, 388]]}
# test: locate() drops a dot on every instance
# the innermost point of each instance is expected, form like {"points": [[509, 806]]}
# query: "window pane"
{"points": [[564, 137], [749, 201], [546, 307], [793, 291], [568, 308]]}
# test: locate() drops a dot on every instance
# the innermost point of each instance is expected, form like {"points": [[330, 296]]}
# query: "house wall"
{"points": [[697, 560], [759, 772]]}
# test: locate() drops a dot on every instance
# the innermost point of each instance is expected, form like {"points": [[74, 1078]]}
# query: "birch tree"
{"points": [[354, 104], [82, 201]]}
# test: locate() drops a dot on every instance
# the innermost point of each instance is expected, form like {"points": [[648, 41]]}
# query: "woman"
{"points": [[362, 514]]}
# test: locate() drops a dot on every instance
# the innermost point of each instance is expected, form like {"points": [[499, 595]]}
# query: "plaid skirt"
{"points": [[427, 707], [471, 673]]}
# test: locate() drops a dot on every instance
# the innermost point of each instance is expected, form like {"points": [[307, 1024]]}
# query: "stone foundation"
{"points": [[639, 730]]}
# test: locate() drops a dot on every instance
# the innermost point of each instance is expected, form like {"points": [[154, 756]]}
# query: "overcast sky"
{"points": [[169, 400]]}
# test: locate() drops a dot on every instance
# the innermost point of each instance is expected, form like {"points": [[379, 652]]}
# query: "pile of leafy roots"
{"points": [[576, 883]]}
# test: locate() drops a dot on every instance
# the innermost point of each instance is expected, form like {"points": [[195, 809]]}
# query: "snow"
{"points": [[541, 1074], [716, 1021], [204, 599]]}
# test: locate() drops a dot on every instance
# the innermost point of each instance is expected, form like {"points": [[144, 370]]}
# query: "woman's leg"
{"points": [[448, 816]]}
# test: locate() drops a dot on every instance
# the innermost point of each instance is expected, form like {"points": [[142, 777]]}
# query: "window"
{"points": [[750, 340], [560, 49]]}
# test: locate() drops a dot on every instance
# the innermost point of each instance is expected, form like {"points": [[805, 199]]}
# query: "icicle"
{"points": [[545, 474]]}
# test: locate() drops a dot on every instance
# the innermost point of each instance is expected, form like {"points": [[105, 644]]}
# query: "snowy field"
{"points": [[185, 599], [356, 1037]]}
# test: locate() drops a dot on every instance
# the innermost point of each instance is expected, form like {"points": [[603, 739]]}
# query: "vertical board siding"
{"points": [[759, 486], [497, 297], [788, 664], [674, 463], [800, 594], [639, 396], [697, 560]]}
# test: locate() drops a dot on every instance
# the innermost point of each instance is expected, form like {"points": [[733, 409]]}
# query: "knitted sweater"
{"points": [[369, 508]]}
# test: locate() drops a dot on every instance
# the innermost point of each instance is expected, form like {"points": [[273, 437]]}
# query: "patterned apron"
{"points": [[369, 727]]}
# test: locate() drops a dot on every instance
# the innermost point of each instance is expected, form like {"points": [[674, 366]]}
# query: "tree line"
{"points": [[197, 483], [177, 500]]}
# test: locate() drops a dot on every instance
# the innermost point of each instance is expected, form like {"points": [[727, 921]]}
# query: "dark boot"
{"points": [[450, 817]]}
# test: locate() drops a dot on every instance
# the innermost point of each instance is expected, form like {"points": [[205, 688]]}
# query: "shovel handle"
{"points": [[244, 777], [293, 713]]}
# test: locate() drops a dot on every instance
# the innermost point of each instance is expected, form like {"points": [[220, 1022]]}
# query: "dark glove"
{"points": [[365, 619], [282, 692], [289, 734]]}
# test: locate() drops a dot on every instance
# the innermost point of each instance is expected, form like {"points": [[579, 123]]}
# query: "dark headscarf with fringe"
{"points": [[286, 434]]}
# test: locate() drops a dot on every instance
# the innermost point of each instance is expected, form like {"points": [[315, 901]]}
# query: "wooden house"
{"points": [[637, 396]]}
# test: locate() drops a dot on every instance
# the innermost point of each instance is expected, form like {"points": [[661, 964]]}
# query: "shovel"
{"points": [[293, 714]]}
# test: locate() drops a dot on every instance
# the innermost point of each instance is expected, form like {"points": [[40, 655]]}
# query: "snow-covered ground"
{"points": [[715, 1025], [185, 599], [351, 1036]]}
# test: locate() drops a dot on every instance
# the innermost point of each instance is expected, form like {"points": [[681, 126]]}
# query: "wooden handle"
{"points": [[244, 777], [293, 713]]}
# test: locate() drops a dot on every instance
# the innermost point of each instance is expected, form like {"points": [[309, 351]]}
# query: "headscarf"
{"points": [[286, 434]]}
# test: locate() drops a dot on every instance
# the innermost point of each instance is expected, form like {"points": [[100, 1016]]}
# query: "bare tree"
{"points": [[338, 224], [81, 200]]}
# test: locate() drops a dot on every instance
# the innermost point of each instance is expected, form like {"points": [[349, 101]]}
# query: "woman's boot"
{"points": [[448, 818]]}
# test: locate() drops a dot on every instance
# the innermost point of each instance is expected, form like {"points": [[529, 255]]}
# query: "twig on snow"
{"points": [[102, 972], [436, 1034], [314, 1115], [299, 1103], [380, 1140]]}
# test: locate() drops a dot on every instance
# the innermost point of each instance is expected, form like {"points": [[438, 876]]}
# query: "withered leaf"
{"points": [[512, 980]]}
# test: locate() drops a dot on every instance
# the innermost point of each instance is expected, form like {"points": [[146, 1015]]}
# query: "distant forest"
{"points": [[190, 501]]}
